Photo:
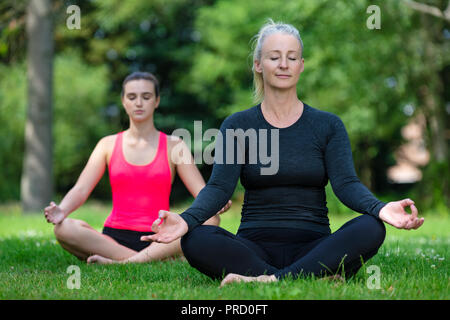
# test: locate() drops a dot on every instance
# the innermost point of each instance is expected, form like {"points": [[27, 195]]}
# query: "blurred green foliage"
{"points": [[80, 115], [12, 125], [79, 120], [201, 52]]}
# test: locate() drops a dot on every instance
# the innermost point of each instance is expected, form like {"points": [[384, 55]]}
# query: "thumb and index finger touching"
{"points": [[156, 226], [50, 206], [406, 202], [414, 212], [409, 203]]}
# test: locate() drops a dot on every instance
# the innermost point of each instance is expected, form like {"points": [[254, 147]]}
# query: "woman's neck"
{"points": [[281, 104], [142, 130]]}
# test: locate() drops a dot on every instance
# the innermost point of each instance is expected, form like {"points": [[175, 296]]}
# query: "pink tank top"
{"points": [[138, 192]]}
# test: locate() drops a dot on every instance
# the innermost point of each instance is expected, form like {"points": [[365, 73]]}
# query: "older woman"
{"points": [[284, 229]]}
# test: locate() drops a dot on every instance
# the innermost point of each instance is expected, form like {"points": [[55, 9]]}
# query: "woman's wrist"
{"points": [[380, 208], [381, 212], [64, 211]]}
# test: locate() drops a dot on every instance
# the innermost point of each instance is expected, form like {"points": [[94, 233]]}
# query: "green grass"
{"points": [[413, 265]]}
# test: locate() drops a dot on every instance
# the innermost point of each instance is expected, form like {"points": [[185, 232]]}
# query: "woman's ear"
{"points": [[158, 100], [257, 66]]}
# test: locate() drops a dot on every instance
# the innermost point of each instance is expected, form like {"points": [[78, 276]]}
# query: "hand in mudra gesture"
{"points": [[172, 227], [394, 213], [54, 214]]}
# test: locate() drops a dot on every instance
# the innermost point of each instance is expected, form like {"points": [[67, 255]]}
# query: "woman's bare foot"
{"points": [[233, 277], [99, 259]]}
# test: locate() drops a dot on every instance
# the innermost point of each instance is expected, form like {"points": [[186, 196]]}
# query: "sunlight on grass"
{"points": [[414, 265]]}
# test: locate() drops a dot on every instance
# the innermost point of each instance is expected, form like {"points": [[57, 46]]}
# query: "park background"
{"points": [[382, 66]]}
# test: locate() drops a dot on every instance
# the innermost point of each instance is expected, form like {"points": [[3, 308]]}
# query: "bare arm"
{"points": [[187, 170], [191, 176], [88, 179]]}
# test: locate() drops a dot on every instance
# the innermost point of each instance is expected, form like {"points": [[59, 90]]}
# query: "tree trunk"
{"points": [[36, 183], [436, 122], [433, 89]]}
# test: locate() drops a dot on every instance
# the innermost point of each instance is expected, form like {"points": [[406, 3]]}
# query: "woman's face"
{"points": [[139, 99], [281, 62]]}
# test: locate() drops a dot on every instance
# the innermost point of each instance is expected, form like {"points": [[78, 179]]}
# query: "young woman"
{"points": [[142, 163], [284, 228]]}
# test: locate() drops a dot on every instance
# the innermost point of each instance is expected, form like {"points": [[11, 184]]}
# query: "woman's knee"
{"points": [[67, 229], [196, 238], [375, 229]]}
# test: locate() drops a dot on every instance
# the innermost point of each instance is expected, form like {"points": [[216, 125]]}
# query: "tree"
{"points": [[36, 183]]}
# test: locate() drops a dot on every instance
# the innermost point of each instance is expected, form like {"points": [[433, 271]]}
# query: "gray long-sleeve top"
{"points": [[285, 184]]}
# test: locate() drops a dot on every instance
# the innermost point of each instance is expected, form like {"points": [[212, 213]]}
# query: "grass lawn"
{"points": [[413, 265]]}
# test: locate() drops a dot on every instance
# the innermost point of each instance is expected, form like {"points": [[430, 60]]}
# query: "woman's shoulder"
{"points": [[178, 150], [173, 140], [323, 124], [322, 115], [324, 121], [243, 117], [107, 142], [177, 142]]}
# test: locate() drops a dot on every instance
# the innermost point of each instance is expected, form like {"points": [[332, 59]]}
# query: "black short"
{"points": [[128, 238]]}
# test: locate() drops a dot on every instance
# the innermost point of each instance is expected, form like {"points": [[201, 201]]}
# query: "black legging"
{"points": [[282, 251]]}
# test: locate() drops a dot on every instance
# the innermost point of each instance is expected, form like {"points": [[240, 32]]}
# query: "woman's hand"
{"points": [[172, 227], [53, 213], [226, 207], [395, 214]]}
